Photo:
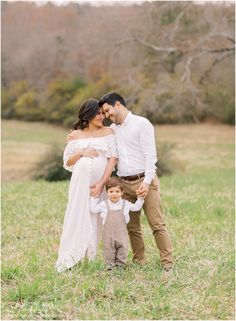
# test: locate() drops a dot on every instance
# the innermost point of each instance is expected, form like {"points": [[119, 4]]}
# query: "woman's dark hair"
{"points": [[111, 99], [88, 110]]}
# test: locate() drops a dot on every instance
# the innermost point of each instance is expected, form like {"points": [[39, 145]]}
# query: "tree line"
{"points": [[173, 61]]}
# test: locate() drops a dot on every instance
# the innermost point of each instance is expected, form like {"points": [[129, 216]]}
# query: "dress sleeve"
{"points": [[112, 150], [69, 150]]}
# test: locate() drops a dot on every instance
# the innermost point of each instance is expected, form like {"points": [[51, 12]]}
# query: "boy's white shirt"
{"points": [[101, 207]]}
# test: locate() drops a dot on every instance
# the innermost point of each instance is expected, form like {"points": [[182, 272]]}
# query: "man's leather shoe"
{"points": [[167, 268]]}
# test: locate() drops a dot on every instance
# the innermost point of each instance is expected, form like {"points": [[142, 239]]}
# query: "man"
{"points": [[136, 167]]}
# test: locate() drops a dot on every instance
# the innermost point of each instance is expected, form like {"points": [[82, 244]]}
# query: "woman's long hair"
{"points": [[88, 110]]}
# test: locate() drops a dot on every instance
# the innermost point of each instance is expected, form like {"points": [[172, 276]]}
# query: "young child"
{"points": [[115, 215]]}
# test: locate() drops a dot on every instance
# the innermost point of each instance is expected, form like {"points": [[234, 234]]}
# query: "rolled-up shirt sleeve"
{"points": [[148, 146]]}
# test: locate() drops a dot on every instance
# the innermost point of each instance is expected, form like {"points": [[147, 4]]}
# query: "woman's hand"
{"points": [[72, 135], [96, 189], [89, 153], [81, 153]]}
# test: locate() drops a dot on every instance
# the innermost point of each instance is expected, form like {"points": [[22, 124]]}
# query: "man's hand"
{"points": [[72, 135], [96, 189], [89, 153], [143, 190]]}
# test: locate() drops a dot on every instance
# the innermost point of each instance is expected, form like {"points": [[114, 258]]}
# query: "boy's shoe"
{"points": [[121, 266], [110, 267]]}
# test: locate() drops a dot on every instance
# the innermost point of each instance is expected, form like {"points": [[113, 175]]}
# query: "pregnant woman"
{"points": [[91, 159]]}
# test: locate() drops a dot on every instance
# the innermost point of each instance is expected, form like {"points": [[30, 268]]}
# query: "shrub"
{"points": [[222, 103], [166, 164], [27, 107], [91, 90], [50, 167], [10, 96], [59, 92]]}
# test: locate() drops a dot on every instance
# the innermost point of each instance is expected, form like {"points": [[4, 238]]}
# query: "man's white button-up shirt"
{"points": [[136, 147]]}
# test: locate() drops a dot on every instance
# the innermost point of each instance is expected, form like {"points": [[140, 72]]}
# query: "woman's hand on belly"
{"points": [[89, 153]]}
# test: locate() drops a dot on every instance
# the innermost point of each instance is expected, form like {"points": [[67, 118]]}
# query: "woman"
{"points": [[91, 159]]}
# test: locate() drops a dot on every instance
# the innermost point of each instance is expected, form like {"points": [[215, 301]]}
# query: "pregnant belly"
{"points": [[93, 167]]}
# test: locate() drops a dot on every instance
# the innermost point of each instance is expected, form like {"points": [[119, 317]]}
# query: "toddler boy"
{"points": [[115, 215]]}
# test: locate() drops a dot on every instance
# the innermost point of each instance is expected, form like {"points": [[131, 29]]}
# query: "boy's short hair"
{"points": [[114, 182]]}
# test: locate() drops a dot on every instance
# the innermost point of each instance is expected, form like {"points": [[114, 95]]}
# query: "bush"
{"points": [[172, 106], [50, 167], [59, 92], [166, 164], [222, 103], [10, 96], [27, 107]]}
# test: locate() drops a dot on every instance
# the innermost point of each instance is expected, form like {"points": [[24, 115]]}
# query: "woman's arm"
{"points": [[97, 187], [72, 135], [81, 153]]}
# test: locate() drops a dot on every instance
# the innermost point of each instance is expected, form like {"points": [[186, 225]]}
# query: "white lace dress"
{"points": [[81, 229]]}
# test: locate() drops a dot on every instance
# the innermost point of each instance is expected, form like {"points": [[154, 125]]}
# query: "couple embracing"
{"points": [[91, 154]]}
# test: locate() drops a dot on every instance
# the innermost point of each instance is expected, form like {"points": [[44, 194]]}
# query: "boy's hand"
{"points": [[143, 190], [72, 135]]}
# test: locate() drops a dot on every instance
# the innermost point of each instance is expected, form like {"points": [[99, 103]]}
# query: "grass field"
{"points": [[199, 209]]}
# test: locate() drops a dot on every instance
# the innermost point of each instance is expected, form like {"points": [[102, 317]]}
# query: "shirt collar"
{"points": [[128, 116], [117, 204]]}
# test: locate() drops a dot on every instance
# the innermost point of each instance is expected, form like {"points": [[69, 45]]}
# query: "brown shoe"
{"points": [[167, 268], [167, 273]]}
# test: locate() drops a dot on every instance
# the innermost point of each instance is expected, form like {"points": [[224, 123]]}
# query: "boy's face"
{"points": [[114, 194]]}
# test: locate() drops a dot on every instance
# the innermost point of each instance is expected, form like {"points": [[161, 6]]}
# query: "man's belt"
{"points": [[133, 177]]}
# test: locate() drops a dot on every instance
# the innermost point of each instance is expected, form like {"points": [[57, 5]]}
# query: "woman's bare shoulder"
{"points": [[108, 130], [76, 134]]}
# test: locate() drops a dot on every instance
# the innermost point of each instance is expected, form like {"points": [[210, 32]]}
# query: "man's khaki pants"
{"points": [[154, 213]]}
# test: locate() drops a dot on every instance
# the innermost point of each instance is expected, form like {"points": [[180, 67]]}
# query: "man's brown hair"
{"points": [[114, 182]]}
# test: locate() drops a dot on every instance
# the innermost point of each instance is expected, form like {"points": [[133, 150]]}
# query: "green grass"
{"points": [[199, 209]]}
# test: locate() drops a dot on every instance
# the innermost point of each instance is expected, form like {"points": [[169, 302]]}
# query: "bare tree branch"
{"points": [[225, 35], [186, 77], [154, 47], [217, 50], [177, 20], [215, 62]]}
